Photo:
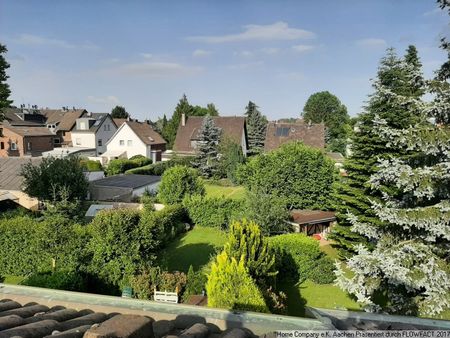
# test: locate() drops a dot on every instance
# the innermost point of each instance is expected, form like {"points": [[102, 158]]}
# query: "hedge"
{"points": [[61, 280], [215, 212], [90, 165], [160, 167], [179, 182], [121, 165], [28, 245], [296, 255]]}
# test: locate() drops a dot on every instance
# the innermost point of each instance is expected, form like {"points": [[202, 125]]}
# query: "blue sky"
{"points": [[145, 54]]}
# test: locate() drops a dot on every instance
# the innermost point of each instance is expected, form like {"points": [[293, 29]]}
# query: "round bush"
{"points": [[323, 272], [178, 182]]}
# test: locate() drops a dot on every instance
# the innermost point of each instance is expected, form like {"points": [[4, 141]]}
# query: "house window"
{"points": [[2, 145], [78, 141], [129, 143], [56, 141], [13, 146], [122, 142], [1, 131], [29, 146], [106, 127], [82, 125], [99, 142], [282, 132], [64, 133]]}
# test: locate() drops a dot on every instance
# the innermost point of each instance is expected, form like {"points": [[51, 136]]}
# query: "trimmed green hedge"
{"points": [[28, 245], [90, 165], [160, 167], [212, 211], [61, 280], [121, 165], [296, 255]]}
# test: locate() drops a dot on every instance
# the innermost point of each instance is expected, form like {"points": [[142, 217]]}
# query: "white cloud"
{"points": [[146, 55], [36, 40], [433, 12], [270, 50], [201, 53], [276, 31], [243, 66], [244, 53], [103, 100], [372, 43], [154, 69], [303, 48]]}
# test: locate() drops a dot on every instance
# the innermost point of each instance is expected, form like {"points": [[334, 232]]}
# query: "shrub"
{"points": [[246, 243], [268, 211], [212, 211], [164, 225], [61, 280], [145, 283], [229, 286], [121, 165], [177, 182], [120, 245], [91, 165], [196, 283], [323, 271], [300, 174], [296, 255]]}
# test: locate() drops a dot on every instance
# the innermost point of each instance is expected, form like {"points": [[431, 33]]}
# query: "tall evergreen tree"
{"points": [[410, 261], [367, 147], [207, 159], [170, 131], [256, 128], [5, 92], [412, 59]]}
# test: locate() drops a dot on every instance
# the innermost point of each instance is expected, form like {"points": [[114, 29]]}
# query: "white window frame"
{"points": [[129, 143], [122, 143], [13, 146]]}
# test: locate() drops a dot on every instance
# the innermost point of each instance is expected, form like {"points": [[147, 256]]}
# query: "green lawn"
{"points": [[193, 248], [213, 190], [10, 279]]}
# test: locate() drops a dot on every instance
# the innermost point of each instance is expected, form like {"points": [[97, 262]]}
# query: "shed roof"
{"points": [[277, 133], [312, 216], [10, 168], [232, 127], [127, 181]]}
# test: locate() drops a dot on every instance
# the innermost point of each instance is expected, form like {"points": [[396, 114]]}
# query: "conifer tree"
{"points": [[207, 159], [256, 128], [367, 146], [246, 242], [5, 92], [170, 130], [409, 263]]}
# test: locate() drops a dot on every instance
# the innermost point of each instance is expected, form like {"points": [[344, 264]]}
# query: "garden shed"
{"points": [[312, 222], [123, 188]]}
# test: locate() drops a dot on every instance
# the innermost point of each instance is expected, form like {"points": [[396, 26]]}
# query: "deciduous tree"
{"points": [[119, 112]]}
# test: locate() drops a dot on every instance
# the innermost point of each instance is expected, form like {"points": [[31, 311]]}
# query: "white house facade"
{"points": [[135, 138], [93, 132]]}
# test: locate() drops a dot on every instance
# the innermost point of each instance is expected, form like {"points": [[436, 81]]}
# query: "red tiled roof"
{"points": [[146, 133], [312, 135], [312, 216], [232, 127], [65, 118]]}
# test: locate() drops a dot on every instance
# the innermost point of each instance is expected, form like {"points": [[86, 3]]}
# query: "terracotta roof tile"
{"points": [[311, 216], [232, 127], [146, 133], [65, 119], [280, 133]]}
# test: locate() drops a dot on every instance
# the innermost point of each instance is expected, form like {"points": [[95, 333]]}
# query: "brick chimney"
{"points": [[183, 119]]}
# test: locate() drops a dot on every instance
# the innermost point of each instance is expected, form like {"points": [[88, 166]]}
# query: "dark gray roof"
{"points": [[127, 181], [10, 168]]}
